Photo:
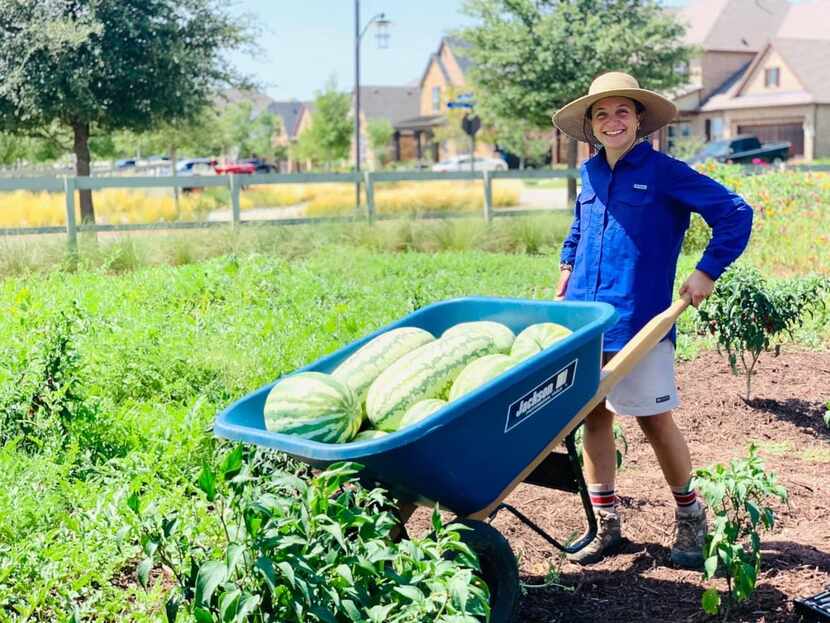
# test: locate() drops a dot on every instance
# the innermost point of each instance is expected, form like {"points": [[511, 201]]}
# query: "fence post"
{"points": [[235, 210], [370, 197], [71, 228], [488, 197]]}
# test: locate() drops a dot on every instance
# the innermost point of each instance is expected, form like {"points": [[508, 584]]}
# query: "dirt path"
{"points": [[640, 584]]}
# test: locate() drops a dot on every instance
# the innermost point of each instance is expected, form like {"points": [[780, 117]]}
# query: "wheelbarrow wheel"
{"points": [[498, 568]]}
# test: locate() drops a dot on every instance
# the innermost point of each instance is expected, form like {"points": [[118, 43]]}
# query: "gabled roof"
{"points": [[290, 113], [806, 20], [806, 58], [259, 101], [732, 25], [393, 103], [457, 46]]}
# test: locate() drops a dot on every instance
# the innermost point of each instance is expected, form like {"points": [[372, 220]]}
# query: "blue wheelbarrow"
{"points": [[470, 455]]}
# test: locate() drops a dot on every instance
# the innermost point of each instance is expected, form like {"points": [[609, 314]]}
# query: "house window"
{"points": [[436, 99], [716, 128], [772, 77], [678, 134]]}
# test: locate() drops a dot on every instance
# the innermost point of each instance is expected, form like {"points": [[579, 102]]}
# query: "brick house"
{"points": [[432, 130], [394, 104], [764, 69]]}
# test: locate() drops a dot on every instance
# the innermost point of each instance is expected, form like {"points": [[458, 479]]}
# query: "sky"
{"points": [[305, 42]]}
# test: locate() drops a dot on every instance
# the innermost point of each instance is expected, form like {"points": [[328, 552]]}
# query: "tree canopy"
{"points": [[329, 137], [530, 57], [111, 65]]}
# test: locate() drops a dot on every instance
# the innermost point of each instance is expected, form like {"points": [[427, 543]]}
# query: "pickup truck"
{"points": [[743, 149]]}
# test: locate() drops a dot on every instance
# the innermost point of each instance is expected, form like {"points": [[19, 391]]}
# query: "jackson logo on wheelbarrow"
{"points": [[544, 393]]}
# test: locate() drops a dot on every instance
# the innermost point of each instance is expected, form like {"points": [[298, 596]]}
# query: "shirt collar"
{"points": [[634, 157]]}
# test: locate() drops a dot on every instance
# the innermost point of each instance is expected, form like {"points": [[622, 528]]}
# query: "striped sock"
{"points": [[686, 499], [603, 497]]}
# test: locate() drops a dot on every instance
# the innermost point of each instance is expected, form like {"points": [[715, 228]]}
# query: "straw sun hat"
{"points": [[658, 111]]}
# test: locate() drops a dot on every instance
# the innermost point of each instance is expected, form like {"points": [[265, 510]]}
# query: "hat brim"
{"points": [[658, 112]]}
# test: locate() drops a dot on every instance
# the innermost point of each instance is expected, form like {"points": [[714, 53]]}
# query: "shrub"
{"points": [[746, 314], [738, 497], [296, 550]]}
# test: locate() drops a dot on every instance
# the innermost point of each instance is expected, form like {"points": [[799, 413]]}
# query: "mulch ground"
{"points": [[784, 419]]}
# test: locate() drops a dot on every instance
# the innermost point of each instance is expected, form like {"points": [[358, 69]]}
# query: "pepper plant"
{"points": [[747, 314], [300, 550], [738, 495]]}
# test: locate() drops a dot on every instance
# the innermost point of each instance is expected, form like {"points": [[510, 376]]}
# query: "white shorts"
{"points": [[650, 388]]}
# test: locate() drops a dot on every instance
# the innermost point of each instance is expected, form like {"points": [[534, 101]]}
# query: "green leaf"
{"points": [[232, 463], [410, 592], [202, 615], [710, 567], [324, 614], [171, 608], [288, 572], [379, 614], [247, 605], [211, 574], [229, 604], [233, 556], [207, 482], [710, 601], [134, 502], [143, 572]]}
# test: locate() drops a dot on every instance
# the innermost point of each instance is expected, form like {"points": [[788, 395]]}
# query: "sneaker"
{"points": [[608, 538], [690, 536]]}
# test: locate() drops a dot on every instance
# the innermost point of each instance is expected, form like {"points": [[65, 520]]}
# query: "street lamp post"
{"points": [[383, 39]]}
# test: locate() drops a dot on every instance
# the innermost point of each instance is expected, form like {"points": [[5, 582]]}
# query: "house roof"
{"points": [[806, 58], [290, 113], [459, 48], [393, 103], [806, 20], [732, 25], [422, 122], [259, 101]]}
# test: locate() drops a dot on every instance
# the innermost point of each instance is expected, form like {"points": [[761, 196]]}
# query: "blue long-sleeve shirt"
{"points": [[628, 228]]}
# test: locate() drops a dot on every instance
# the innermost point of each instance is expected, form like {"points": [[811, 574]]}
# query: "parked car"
{"points": [[126, 163], [743, 149], [261, 166], [462, 163], [237, 168], [195, 167]]}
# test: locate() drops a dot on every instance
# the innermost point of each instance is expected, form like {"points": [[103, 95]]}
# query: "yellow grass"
{"points": [[121, 206]]}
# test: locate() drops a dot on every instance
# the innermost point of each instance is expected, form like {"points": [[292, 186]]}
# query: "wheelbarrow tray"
{"points": [[467, 453]]}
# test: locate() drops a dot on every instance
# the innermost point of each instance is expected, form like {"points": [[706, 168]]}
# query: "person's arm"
{"points": [[726, 212], [568, 255]]}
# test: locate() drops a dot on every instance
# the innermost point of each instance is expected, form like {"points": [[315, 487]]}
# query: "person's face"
{"points": [[614, 121]]}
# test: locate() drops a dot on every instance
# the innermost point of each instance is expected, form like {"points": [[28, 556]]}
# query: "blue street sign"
{"points": [[460, 105]]}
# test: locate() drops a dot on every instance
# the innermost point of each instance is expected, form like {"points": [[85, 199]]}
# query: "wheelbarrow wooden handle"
{"points": [[621, 364]]}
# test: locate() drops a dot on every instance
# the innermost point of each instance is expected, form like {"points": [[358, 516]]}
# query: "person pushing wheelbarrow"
{"points": [[629, 221]]}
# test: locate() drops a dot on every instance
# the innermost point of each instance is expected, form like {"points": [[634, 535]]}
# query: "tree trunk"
{"points": [[80, 130], [572, 153]]}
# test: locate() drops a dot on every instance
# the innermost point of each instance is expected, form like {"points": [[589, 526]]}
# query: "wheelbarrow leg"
{"points": [[556, 473], [499, 569]]}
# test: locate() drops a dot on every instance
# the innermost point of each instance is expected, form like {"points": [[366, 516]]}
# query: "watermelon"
{"points": [[502, 334], [314, 406], [479, 372], [420, 410], [364, 365], [536, 338], [368, 435], [425, 372]]}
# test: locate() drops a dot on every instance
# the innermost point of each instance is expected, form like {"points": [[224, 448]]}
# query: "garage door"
{"points": [[793, 132]]}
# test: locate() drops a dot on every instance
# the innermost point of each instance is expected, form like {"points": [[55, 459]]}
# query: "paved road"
{"points": [[531, 198]]}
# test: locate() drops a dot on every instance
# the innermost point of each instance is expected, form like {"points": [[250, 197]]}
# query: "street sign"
{"points": [[458, 104], [471, 124]]}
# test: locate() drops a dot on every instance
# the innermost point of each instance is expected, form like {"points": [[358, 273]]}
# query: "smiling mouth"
{"points": [[614, 132]]}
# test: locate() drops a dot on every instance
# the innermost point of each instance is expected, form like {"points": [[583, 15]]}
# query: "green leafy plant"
{"points": [[738, 496], [292, 549], [747, 314]]}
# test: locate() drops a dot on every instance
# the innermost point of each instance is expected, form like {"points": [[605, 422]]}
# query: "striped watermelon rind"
{"points": [[479, 372], [315, 406], [420, 410], [500, 333], [365, 364], [425, 372], [537, 337], [368, 435]]}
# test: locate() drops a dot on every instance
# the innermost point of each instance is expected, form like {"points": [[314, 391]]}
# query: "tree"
{"points": [[329, 137], [247, 135], [530, 57], [109, 65], [522, 139], [380, 132]]}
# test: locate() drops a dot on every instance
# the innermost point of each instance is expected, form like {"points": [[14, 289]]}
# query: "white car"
{"points": [[462, 163]]}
